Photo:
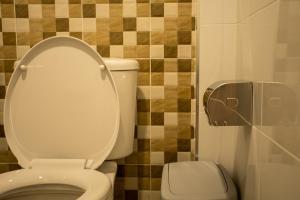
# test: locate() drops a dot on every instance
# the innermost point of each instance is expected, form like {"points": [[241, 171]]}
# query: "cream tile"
{"points": [[184, 51], [157, 24], [116, 51], [22, 25], [157, 92], [89, 25], [170, 118], [129, 38], [143, 23], [62, 10], [129, 10], [35, 11], [102, 10], [75, 25], [22, 50], [8, 25], [170, 78], [157, 51], [157, 132], [157, 158], [170, 9], [143, 92]]}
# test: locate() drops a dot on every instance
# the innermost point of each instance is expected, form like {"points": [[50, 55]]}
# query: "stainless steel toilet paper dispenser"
{"points": [[229, 103]]}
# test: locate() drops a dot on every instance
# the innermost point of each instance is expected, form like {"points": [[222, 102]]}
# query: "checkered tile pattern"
{"points": [[159, 34]]}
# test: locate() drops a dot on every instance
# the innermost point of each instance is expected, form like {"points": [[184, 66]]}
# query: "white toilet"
{"points": [[67, 110], [196, 180]]}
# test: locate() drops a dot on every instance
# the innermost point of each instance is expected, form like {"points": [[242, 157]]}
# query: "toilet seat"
{"points": [[96, 185], [61, 117]]}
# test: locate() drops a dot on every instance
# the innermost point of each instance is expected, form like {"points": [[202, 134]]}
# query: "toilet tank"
{"points": [[124, 72]]}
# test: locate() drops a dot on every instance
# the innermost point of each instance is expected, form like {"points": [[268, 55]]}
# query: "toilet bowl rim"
{"points": [[95, 184]]}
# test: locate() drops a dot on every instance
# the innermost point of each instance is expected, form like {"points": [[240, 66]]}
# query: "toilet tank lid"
{"points": [[120, 64], [194, 180]]}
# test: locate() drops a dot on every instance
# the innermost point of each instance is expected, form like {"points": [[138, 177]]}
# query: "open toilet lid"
{"points": [[61, 103]]}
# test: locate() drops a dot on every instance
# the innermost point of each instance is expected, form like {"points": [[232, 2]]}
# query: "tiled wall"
{"points": [[159, 34], [257, 40]]}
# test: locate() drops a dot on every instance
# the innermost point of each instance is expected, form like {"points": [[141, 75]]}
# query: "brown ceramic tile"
{"points": [[143, 38], [184, 118], [170, 65], [143, 118], [157, 118], [129, 24], [103, 50], [143, 10], [48, 34], [130, 51], [184, 23], [116, 24], [89, 10], [157, 65], [9, 38], [131, 194], [7, 2], [103, 25], [23, 38], [157, 37], [7, 11], [143, 171], [143, 78], [144, 65], [157, 145], [89, 38], [76, 35], [115, 1], [170, 157], [8, 66], [184, 92], [144, 184], [130, 171], [62, 24], [170, 51], [171, 23], [143, 145], [184, 105], [49, 25], [156, 171], [143, 51], [184, 37], [142, 1], [170, 105], [102, 38], [48, 11], [184, 78], [48, 1], [170, 38], [184, 65], [185, 132], [143, 105], [157, 78], [115, 10], [155, 183], [116, 38], [157, 9], [35, 37], [157, 105], [74, 2], [184, 145], [171, 92], [74, 10], [21, 11]]}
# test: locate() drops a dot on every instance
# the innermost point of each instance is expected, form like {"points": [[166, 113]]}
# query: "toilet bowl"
{"points": [[196, 180], [66, 111]]}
